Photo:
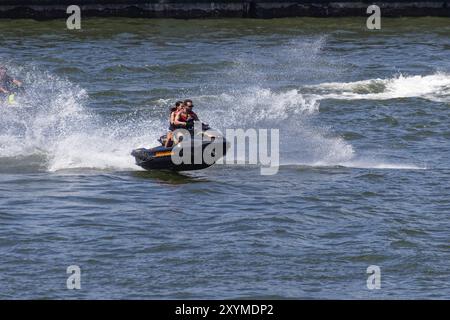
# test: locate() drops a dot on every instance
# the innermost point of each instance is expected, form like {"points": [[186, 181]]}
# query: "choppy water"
{"points": [[364, 124]]}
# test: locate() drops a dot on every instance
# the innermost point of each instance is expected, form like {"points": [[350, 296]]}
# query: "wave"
{"points": [[358, 165], [365, 164], [51, 120], [52, 124], [434, 87], [289, 111]]}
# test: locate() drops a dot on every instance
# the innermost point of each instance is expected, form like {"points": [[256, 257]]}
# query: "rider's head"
{"points": [[178, 105], [188, 104]]}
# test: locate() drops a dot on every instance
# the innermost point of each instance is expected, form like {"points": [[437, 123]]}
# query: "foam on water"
{"points": [[51, 120], [434, 87], [289, 111]]}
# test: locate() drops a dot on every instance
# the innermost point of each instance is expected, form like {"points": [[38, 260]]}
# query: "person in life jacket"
{"points": [[173, 113], [185, 117], [191, 114], [8, 84]]}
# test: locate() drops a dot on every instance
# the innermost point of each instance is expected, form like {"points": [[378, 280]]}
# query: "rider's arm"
{"points": [[194, 116], [173, 116], [3, 90], [17, 82], [177, 122]]}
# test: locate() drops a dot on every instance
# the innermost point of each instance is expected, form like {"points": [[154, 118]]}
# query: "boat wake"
{"points": [[434, 87], [52, 125]]}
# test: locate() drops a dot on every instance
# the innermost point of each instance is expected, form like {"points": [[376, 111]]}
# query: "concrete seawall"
{"points": [[184, 9]]}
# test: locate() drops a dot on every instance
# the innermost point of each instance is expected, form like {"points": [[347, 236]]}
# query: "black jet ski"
{"points": [[200, 149]]}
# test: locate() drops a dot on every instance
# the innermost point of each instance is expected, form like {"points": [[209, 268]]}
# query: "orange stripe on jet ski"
{"points": [[163, 153]]}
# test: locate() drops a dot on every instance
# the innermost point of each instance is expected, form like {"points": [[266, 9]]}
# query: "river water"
{"points": [[364, 150]]}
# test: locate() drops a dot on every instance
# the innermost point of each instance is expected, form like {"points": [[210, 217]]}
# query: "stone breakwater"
{"points": [[189, 9]]}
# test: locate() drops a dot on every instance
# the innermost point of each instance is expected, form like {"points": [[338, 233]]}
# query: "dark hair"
{"points": [[187, 101], [177, 104]]}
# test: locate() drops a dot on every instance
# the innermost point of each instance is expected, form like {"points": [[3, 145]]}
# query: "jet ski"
{"points": [[200, 149]]}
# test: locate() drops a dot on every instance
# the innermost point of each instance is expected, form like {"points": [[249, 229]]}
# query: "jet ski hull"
{"points": [[160, 158]]}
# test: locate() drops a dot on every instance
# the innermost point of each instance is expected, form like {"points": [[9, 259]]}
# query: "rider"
{"points": [[181, 118], [185, 116], [191, 114], [173, 113], [7, 83]]}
